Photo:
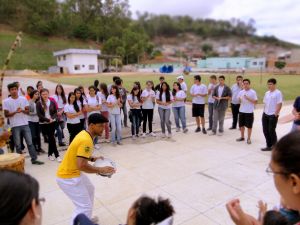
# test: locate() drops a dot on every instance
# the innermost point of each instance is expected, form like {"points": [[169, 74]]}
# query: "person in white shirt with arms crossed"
{"points": [[70, 174], [248, 100], [183, 85], [273, 104]]}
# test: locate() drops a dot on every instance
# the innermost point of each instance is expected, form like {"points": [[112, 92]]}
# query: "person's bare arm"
{"points": [[26, 110], [8, 114], [83, 165], [278, 108]]}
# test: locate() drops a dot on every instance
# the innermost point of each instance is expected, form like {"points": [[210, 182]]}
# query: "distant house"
{"points": [[232, 63], [77, 61]]}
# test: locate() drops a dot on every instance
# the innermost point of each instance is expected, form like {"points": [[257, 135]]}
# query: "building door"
{"points": [[61, 70]]}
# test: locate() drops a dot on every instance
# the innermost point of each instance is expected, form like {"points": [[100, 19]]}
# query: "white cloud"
{"points": [[279, 17]]}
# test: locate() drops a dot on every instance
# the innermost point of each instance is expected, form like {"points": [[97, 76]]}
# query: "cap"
{"points": [[180, 77]]}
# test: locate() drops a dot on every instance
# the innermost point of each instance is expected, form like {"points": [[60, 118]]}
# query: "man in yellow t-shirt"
{"points": [[70, 177]]}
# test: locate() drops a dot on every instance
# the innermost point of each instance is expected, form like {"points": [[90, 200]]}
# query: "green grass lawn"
{"points": [[288, 84], [36, 52]]}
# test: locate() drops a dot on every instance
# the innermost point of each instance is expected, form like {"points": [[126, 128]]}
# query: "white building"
{"points": [[77, 60]]}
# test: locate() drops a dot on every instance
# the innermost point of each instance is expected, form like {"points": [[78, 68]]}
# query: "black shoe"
{"points": [[232, 128], [266, 149], [62, 144], [209, 129], [36, 162], [198, 129], [240, 139], [41, 151], [204, 131]]}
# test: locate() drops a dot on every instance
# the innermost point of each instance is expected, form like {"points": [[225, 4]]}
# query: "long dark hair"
{"points": [[62, 95], [80, 98], [151, 211], [76, 107], [17, 192], [44, 104], [179, 87], [117, 91], [168, 96], [103, 87], [138, 96], [82, 93], [286, 153], [33, 93]]}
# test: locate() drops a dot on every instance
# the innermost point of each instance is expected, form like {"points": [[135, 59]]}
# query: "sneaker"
{"points": [[198, 129], [107, 140], [240, 139], [62, 144], [249, 141], [153, 134], [204, 131], [119, 143], [220, 134], [232, 128], [212, 133], [97, 147], [144, 135], [133, 137], [36, 162], [177, 129], [58, 159], [169, 135], [266, 149], [209, 129], [185, 130], [163, 135], [51, 158]]}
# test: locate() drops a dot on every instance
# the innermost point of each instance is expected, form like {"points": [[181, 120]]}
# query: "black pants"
{"points": [[49, 129], [82, 122], [147, 115], [73, 129], [235, 114], [35, 134], [269, 124]]}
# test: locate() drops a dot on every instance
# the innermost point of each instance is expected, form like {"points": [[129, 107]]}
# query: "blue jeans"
{"points": [[25, 132], [164, 115], [179, 114], [135, 125], [60, 131], [116, 127]]}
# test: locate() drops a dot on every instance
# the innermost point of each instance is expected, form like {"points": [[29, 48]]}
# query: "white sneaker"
{"points": [[185, 130], [153, 134], [107, 141], [220, 134], [163, 135], [51, 158], [169, 135], [97, 147], [133, 137], [212, 133], [177, 129], [144, 135], [58, 159]]}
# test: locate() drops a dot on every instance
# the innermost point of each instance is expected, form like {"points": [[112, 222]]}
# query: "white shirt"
{"points": [[116, 109], [246, 106], [198, 89], [220, 90], [47, 113], [182, 95], [212, 88], [59, 101], [70, 109], [163, 99], [93, 102], [134, 100], [184, 86], [104, 107], [271, 100], [148, 103], [235, 89], [11, 105], [80, 107], [33, 117]]}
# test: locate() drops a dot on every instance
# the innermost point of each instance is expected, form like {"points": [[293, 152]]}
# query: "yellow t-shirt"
{"points": [[81, 146]]}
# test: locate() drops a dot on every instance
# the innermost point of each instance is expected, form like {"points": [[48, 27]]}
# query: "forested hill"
{"points": [[109, 24]]}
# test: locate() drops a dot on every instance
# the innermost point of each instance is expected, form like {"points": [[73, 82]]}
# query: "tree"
{"points": [[206, 48], [280, 65]]}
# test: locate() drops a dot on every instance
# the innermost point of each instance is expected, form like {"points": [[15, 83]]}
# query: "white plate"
{"points": [[103, 163]]}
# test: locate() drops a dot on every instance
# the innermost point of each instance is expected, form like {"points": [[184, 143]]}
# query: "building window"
{"points": [[77, 67], [91, 67], [64, 57], [254, 63], [58, 58], [83, 66], [261, 63]]}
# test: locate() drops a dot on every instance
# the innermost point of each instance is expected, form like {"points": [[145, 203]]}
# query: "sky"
{"points": [[280, 18]]}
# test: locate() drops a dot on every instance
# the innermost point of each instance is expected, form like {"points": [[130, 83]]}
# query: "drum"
{"points": [[12, 161]]}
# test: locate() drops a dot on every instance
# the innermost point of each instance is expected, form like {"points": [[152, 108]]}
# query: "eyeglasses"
{"points": [[270, 171], [42, 200]]}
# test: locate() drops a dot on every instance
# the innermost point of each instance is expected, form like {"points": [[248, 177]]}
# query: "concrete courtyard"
{"points": [[199, 173]]}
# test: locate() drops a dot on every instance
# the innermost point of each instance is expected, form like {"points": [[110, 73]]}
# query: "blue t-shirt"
{"points": [[297, 108]]}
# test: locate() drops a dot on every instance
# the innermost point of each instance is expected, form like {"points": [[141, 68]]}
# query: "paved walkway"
{"points": [[197, 172]]}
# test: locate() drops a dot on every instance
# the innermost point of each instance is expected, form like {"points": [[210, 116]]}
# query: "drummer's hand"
{"points": [[106, 170]]}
